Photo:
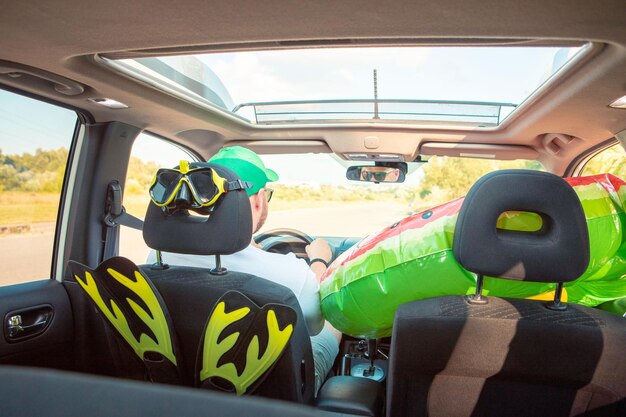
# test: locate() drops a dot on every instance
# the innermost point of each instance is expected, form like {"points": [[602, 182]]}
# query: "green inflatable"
{"points": [[413, 260]]}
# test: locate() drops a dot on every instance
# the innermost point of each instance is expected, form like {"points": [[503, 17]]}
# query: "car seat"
{"points": [[486, 356], [198, 306]]}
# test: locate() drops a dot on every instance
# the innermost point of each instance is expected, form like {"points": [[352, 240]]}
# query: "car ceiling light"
{"points": [[477, 155], [358, 156], [620, 103], [108, 102], [388, 156]]}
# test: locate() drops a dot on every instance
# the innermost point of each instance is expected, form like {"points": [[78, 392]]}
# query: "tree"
{"points": [[446, 178], [44, 170], [611, 160]]}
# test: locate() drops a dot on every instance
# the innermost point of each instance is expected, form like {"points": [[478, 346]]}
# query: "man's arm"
{"points": [[326, 343], [319, 249]]}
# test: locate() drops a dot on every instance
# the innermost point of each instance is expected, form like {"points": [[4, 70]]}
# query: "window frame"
{"points": [[60, 225], [577, 166]]}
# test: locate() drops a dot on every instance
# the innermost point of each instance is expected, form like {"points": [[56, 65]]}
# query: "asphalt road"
{"points": [[27, 257]]}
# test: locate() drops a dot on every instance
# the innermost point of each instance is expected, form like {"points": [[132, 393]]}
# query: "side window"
{"points": [[35, 139], [149, 153], [610, 161]]}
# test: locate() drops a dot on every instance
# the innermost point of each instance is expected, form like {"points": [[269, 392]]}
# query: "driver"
{"points": [[284, 269], [380, 174]]}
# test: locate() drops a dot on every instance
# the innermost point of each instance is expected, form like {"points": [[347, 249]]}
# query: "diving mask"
{"points": [[198, 187]]}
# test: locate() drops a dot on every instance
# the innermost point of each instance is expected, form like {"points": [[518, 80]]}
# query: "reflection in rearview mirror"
{"points": [[377, 174]]}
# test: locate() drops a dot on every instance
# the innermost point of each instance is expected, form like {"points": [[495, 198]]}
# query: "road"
{"points": [[27, 257]]}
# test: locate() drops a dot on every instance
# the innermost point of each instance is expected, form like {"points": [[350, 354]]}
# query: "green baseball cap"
{"points": [[247, 165]]}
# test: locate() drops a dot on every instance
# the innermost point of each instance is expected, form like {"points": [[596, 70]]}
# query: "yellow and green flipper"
{"points": [[135, 310], [242, 342]]}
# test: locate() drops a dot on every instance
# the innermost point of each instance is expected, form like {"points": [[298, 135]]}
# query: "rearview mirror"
{"points": [[382, 172]]}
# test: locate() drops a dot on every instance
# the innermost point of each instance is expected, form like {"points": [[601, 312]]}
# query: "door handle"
{"points": [[16, 328], [27, 323]]}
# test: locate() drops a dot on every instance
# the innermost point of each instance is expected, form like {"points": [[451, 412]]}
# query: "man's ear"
{"points": [[254, 201]]}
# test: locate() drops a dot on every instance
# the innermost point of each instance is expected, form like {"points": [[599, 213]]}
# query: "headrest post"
{"points": [[557, 304], [218, 270], [159, 265], [477, 297]]}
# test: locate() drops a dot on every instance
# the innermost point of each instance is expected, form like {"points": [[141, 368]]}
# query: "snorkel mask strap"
{"points": [[187, 187], [237, 185]]}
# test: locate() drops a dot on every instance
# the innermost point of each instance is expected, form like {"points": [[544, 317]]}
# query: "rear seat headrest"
{"points": [[558, 252]]}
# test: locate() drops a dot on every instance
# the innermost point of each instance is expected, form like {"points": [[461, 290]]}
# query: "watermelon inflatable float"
{"points": [[412, 260]]}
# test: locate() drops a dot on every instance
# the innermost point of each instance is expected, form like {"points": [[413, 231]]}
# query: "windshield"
{"points": [[313, 194], [467, 86]]}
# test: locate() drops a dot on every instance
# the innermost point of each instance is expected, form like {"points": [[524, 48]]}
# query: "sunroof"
{"points": [[468, 86]]}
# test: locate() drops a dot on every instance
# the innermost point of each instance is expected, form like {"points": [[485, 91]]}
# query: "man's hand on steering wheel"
{"points": [[320, 255], [315, 248], [319, 249]]}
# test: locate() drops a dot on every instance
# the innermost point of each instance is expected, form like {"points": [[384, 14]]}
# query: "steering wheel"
{"points": [[283, 241]]}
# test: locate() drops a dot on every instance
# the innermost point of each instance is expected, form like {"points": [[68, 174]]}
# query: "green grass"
{"points": [[136, 204], [20, 207], [278, 205]]}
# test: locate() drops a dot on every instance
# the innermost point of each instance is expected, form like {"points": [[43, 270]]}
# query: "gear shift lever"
{"points": [[372, 348], [368, 368]]}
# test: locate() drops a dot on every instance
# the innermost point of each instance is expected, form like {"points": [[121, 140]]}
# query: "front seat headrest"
{"points": [[228, 229], [557, 252]]}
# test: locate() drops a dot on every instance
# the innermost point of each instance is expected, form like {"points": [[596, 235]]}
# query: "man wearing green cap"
{"points": [[286, 270]]}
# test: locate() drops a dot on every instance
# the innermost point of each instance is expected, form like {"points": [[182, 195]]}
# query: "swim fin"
{"points": [[242, 342], [134, 308]]}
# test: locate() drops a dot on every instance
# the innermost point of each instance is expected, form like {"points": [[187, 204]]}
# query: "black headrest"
{"points": [[558, 252], [227, 230]]}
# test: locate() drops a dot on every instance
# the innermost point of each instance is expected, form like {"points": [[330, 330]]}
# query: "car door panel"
{"points": [[45, 335]]}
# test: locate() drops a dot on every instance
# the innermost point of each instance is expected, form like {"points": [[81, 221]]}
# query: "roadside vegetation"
{"points": [[446, 179], [610, 160], [30, 184]]}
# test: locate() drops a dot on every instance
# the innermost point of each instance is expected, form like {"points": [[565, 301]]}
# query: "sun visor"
{"points": [[479, 150]]}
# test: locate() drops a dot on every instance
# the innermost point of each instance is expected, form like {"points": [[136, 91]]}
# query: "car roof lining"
{"points": [[576, 106]]}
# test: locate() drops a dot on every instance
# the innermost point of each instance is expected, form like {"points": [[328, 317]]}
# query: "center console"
{"points": [[359, 387], [366, 358]]}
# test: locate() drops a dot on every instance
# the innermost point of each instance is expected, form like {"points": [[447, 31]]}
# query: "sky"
{"points": [[475, 74], [27, 124], [463, 73]]}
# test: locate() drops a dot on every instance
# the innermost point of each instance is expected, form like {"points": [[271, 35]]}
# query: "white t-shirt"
{"points": [[286, 270]]}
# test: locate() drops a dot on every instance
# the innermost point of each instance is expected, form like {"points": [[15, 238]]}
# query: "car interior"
{"points": [[113, 67]]}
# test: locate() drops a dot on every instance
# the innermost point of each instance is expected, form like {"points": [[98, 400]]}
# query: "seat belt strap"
{"points": [[114, 216], [125, 219]]}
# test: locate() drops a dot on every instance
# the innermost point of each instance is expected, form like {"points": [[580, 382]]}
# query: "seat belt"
{"points": [[114, 216]]}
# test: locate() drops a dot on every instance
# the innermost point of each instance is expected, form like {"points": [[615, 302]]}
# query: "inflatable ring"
{"points": [[412, 260]]}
